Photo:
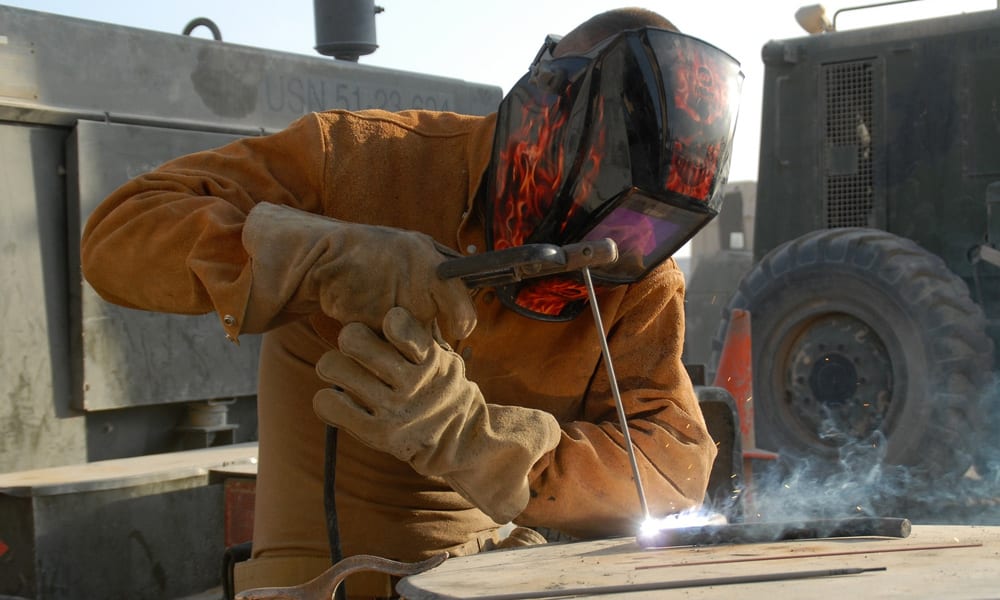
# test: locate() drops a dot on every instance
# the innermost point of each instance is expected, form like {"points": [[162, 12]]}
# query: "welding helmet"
{"points": [[630, 141]]}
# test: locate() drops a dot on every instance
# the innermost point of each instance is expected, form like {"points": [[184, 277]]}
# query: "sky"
{"points": [[494, 41]]}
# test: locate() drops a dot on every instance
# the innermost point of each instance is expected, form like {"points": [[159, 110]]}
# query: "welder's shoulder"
{"points": [[667, 275], [425, 123], [661, 288]]}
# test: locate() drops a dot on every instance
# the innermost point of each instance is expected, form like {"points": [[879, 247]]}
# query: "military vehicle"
{"points": [[874, 290]]}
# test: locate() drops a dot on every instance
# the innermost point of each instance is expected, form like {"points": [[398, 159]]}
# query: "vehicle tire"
{"points": [[864, 342]]}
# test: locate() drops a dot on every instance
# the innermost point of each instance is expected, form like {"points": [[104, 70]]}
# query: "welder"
{"points": [[457, 411]]}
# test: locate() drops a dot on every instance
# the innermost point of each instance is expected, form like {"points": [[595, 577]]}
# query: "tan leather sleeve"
{"points": [[170, 240], [585, 486]]}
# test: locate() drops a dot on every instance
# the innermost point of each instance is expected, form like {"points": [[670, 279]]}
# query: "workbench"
{"points": [[935, 561]]}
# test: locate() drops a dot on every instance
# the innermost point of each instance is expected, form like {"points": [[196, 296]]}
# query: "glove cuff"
{"points": [[284, 244], [492, 471]]}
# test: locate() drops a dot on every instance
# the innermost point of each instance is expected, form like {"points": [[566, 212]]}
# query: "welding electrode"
{"points": [[592, 296], [700, 582], [502, 267]]}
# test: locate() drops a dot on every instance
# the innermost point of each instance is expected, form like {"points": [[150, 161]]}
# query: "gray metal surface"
{"points": [[933, 562], [131, 357], [37, 422], [148, 527], [56, 69]]}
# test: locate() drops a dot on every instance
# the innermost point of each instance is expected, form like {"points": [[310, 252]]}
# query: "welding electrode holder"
{"points": [[510, 265]]}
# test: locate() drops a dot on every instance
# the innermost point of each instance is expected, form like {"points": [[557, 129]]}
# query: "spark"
{"points": [[693, 517]]}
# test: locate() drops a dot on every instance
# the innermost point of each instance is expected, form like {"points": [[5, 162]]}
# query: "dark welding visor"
{"points": [[630, 141]]}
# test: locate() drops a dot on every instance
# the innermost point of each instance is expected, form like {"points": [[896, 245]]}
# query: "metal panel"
{"points": [[980, 111], [131, 357], [54, 69], [37, 425]]}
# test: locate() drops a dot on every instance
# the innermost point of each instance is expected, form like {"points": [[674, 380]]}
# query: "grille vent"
{"points": [[850, 133]]}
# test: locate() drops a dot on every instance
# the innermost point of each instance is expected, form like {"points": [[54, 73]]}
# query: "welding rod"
{"points": [[510, 265], [592, 295], [751, 533], [597, 590]]}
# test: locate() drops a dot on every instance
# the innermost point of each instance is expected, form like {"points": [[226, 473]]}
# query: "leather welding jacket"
{"points": [[170, 241]]}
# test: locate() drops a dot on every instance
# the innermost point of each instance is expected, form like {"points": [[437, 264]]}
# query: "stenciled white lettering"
{"points": [[299, 95]]}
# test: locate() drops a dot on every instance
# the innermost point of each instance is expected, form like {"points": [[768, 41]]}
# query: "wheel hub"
{"points": [[838, 380], [833, 379]]}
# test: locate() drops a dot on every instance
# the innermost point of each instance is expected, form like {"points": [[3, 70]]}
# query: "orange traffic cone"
{"points": [[735, 374]]}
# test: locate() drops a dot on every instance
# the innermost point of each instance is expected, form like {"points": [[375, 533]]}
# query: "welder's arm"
{"points": [[233, 230], [584, 487], [407, 395], [354, 272], [171, 240]]}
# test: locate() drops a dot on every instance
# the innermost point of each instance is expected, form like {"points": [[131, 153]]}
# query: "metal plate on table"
{"points": [[934, 561]]}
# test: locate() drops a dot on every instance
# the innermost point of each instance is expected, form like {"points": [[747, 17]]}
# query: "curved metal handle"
{"points": [[325, 586], [203, 22]]}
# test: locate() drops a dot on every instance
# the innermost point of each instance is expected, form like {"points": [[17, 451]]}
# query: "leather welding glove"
{"points": [[352, 272], [407, 395]]}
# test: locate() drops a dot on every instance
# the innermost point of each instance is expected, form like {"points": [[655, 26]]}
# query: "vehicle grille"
{"points": [[850, 129]]}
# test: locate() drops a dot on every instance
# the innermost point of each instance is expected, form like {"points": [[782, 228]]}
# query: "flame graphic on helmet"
{"points": [[562, 173], [532, 171], [550, 296], [700, 94]]}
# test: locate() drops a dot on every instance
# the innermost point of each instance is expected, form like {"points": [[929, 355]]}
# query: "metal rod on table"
{"points": [[598, 590], [800, 556], [592, 295]]}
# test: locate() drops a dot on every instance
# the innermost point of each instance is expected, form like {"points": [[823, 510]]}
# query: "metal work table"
{"points": [[935, 561]]}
